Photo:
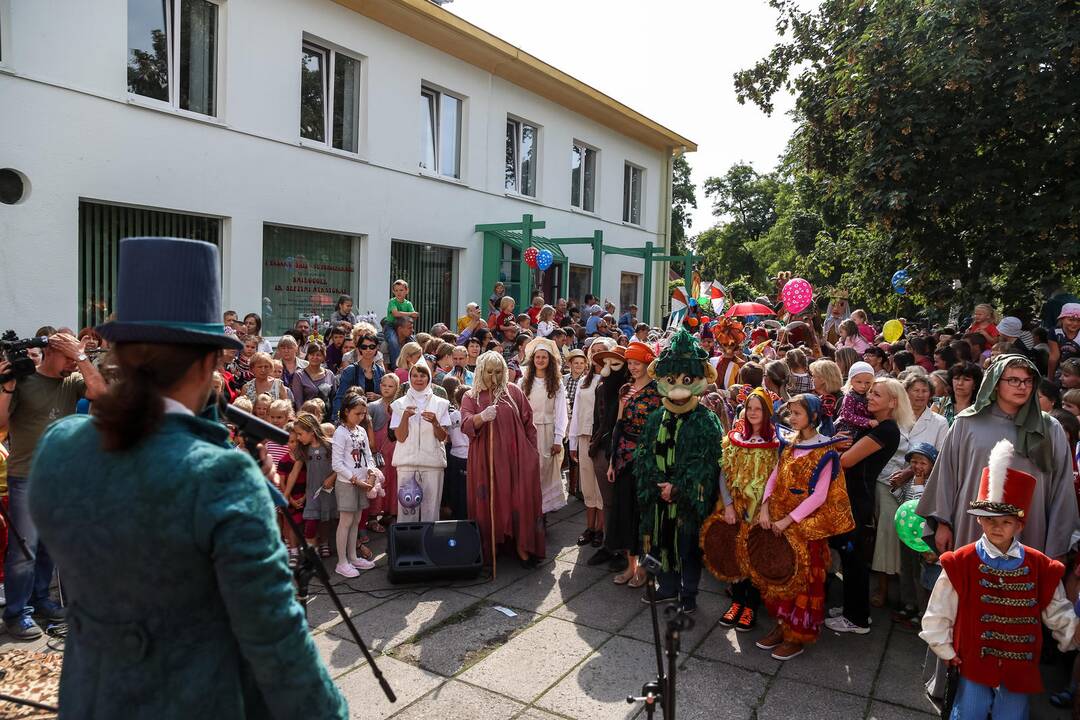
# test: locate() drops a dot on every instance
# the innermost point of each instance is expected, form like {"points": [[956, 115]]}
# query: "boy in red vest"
{"points": [[984, 613]]}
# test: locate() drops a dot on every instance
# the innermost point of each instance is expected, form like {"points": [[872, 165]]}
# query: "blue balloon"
{"points": [[692, 302], [899, 281], [544, 258]]}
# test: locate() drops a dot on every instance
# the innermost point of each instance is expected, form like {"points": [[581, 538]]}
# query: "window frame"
{"points": [[329, 53], [629, 170], [585, 149], [5, 34], [436, 93], [520, 124], [172, 31]]}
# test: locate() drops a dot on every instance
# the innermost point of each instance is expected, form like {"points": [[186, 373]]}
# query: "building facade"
{"points": [[326, 146]]}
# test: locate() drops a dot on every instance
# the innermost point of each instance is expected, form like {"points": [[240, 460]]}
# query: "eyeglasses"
{"points": [[1015, 382], [365, 346]]}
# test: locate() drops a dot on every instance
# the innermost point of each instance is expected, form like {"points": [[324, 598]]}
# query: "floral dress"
{"points": [[623, 531]]}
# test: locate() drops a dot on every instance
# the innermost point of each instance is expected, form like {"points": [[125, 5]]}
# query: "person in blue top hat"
{"points": [[180, 602]]}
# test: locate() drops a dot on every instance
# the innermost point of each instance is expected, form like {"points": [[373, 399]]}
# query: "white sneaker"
{"points": [[839, 611], [362, 564], [841, 624], [346, 570]]}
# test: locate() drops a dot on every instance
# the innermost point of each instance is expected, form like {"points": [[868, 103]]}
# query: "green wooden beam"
{"points": [[598, 261], [646, 303]]}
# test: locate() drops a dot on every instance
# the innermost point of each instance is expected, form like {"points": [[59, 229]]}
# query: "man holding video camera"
{"points": [[180, 603], [27, 406]]}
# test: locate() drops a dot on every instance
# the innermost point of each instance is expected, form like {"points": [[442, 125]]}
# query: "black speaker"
{"points": [[422, 551]]}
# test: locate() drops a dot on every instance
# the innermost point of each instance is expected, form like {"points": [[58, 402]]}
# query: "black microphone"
{"points": [[255, 429]]}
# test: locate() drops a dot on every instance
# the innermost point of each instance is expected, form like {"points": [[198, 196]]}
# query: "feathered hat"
{"points": [[727, 331], [682, 356], [1003, 490]]}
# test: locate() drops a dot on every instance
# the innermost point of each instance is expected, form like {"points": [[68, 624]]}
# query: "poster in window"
{"points": [[304, 272]]}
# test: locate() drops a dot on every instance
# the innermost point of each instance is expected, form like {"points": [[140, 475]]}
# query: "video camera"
{"points": [[14, 350]]}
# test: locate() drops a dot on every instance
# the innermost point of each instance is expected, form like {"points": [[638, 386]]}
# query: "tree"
{"points": [[683, 197], [941, 135], [746, 197]]}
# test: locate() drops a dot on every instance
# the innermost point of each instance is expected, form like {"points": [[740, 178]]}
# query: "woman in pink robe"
{"points": [[494, 411]]}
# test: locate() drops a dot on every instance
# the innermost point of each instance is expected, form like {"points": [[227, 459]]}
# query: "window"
{"points": [[583, 176], [329, 97], [521, 157], [101, 228], [580, 283], [304, 272], [172, 53], [631, 198], [510, 270], [429, 270], [440, 132], [628, 290]]}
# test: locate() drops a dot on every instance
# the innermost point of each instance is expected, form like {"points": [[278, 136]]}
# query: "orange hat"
{"points": [[640, 351]]}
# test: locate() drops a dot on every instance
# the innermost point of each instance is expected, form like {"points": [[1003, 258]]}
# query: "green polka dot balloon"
{"points": [[910, 527]]}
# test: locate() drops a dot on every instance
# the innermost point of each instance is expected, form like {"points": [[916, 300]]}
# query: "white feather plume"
{"points": [[1000, 458]]}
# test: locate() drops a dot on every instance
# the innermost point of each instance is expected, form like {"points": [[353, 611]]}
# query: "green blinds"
{"points": [[101, 227], [429, 271]]}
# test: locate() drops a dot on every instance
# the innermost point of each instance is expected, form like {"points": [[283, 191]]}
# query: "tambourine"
{"points": [[719, 545], [773, 562]]}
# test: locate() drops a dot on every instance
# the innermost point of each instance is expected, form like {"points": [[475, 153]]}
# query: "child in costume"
{"points": [[806, 501], [920, 458], [729, 337], [675, 464], [749, 455], [854, 414], [984, 613]]}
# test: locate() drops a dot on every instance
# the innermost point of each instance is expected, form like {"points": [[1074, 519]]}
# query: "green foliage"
{"points": [[937, 135], [740, 289], [683, 197]]}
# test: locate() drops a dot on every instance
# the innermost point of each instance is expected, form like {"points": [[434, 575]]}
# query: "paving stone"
{"points": [[537, 714], [597, 689], [708, 612], [884, 711], [509, 571], [339, 654], [397, 620], [709, 690], [563, 537], [531, 662], [458, 701], [898, 680], [544, 591], [845, 662], [366, 698], [787, 699], [738, 648], [573, 508], [322, 614], [452, 647], [605, 606]]}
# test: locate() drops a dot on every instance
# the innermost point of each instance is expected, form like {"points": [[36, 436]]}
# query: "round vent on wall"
{"points": [[14, 186]]}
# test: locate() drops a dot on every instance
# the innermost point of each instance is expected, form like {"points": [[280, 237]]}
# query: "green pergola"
{"points": [[520, 235]]}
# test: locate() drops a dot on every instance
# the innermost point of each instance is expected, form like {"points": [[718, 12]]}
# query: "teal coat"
{"points": [[180, 601]]}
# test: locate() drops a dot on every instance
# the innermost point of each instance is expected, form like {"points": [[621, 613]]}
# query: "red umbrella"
{"points": [[748, 308]]}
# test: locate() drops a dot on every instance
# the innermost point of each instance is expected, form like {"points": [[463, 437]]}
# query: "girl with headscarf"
{"points": [[805, 500], [504, 467], [543, 386], [421, 421]]}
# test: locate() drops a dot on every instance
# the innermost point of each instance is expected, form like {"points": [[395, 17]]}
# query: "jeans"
{"points": [[685, 583], [976, 701], [26, 582]]}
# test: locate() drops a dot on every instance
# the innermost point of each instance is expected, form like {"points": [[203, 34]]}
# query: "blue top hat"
{"points": [[168, 291]]}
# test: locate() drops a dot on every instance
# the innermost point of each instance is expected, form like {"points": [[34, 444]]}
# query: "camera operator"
{"points": [[180, 601], [27, 407]]}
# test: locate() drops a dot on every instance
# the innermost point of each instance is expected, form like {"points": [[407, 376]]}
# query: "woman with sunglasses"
{"points": [[314, 380], [365, 374]]}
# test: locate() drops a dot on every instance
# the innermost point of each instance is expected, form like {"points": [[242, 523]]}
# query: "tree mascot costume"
{"points": [[676, 464]]}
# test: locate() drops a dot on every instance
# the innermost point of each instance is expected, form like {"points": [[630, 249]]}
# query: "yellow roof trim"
{"points": [[432, 25]]}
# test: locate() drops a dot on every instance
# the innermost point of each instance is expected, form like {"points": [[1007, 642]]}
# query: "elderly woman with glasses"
{"points": [[365, 373]]}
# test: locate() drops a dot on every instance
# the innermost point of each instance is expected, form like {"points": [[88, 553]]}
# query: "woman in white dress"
{"points": [[581, 423], [542, 384]]}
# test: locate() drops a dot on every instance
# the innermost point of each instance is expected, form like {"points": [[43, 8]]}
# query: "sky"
{"points": [[672, 61]]}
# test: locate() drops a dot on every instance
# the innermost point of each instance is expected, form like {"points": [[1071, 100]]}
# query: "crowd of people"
{"points": [[502, 415]]}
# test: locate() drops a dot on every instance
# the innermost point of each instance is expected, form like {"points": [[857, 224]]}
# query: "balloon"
{"points": [[899, 281], [909, 526], [797, 295], [530, 257], [544, 258], [892, 330], [703, 301], [693, 302]]}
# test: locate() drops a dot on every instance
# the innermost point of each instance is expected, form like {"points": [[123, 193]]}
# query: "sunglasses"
{"points": [[365, 346]]}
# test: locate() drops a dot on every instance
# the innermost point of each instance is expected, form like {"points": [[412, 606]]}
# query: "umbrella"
{"points": [[748, 308]]}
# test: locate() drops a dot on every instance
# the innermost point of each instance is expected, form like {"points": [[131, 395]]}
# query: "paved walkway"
{"points": [[577, 645]]}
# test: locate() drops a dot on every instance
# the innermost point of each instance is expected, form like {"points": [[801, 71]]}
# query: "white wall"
{"points": [[70, 127]]}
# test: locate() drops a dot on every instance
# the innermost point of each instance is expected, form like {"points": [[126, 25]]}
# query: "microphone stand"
{"points": [[254, 432]]}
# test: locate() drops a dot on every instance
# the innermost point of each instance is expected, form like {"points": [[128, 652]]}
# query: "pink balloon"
{"points": [[797, 295]]}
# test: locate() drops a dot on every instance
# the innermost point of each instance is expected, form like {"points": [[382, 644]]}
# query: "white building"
{"points": [[325, 146]]}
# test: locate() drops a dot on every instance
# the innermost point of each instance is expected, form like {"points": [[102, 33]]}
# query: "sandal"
{"points": [[623, 577], [364, 552], [586, 537], [639, 580], [324, 550], [375, 526]]}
